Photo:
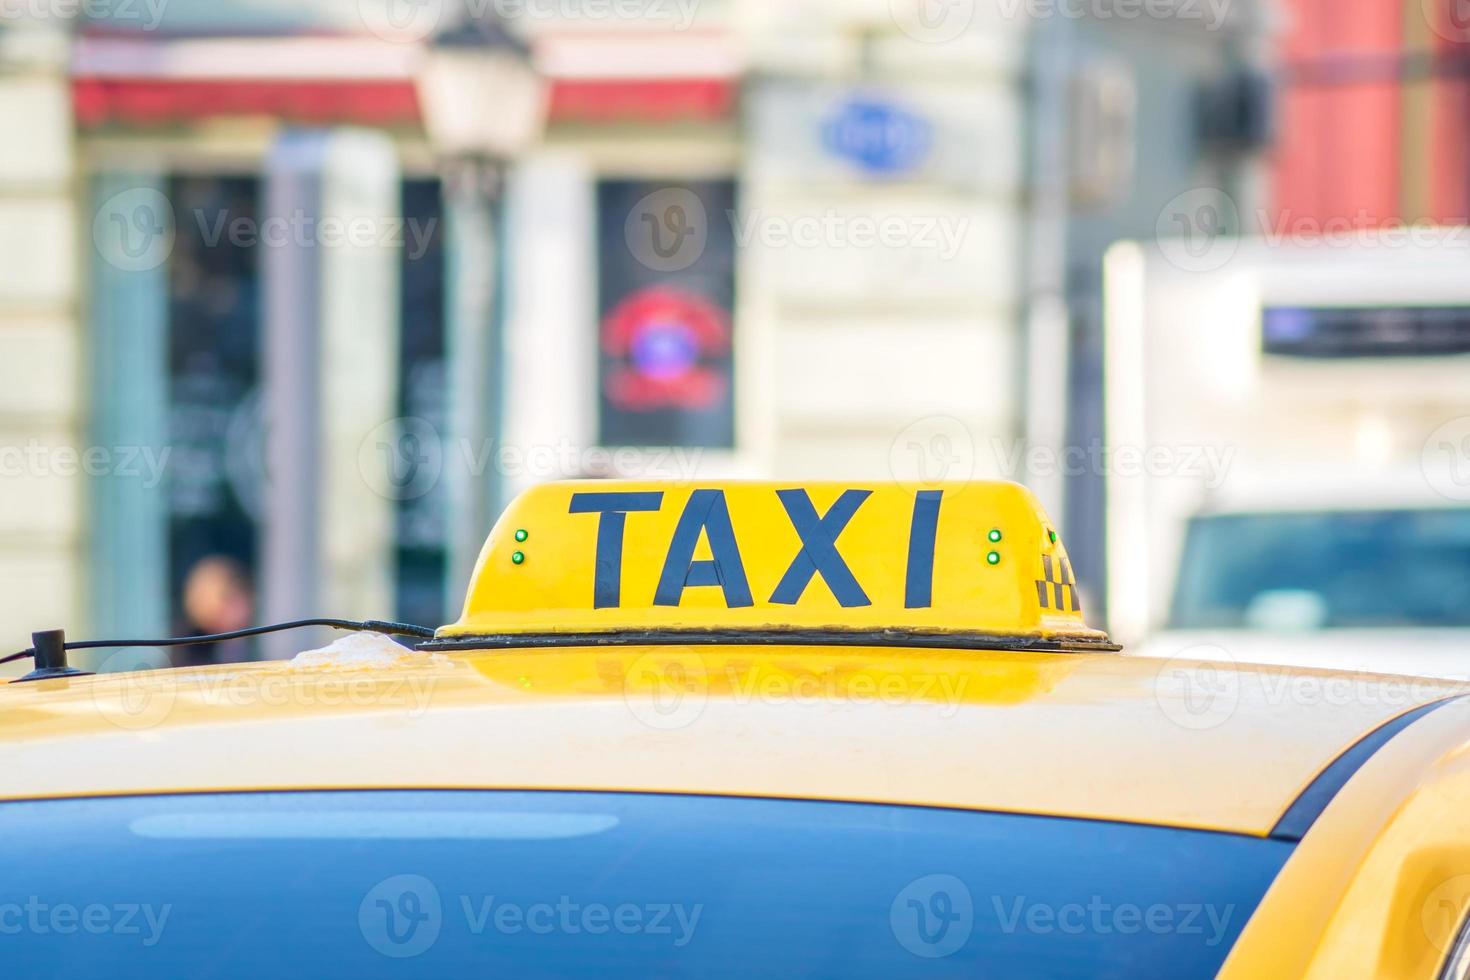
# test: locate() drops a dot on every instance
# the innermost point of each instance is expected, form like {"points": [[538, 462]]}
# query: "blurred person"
{"points": [[218, 598]]}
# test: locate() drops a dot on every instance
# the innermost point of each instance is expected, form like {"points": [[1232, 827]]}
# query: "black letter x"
{"points": [[819, 548]]}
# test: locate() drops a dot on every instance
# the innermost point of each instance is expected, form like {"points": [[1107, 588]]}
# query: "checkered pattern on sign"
{"points": [[1059, 589]]}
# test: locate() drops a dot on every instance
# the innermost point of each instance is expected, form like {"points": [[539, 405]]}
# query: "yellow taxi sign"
{"points": [[954, 565]]}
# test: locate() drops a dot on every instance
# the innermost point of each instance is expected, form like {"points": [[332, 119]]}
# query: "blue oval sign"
{"points": [[879, 137]]}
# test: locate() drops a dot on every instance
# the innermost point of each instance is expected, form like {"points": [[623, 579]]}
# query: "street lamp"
{"points": [[479, 94], [483, 105]]}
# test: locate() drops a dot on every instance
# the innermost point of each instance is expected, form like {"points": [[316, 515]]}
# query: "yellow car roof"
{"points": [[1080, 735]]}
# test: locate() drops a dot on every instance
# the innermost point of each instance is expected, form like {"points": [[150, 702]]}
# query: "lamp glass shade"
{"points": [[480, 102]]}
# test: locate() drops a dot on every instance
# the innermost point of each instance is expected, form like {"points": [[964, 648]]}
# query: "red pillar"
{"points": [[1338, 155], [1449, 135]]}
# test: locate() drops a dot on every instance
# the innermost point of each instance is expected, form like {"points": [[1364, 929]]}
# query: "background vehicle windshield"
{"points": [[487, 884], [1319, 570]]}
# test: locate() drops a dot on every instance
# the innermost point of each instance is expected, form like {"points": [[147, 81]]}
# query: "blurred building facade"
{"points": [[828, 238], [755, 239]]}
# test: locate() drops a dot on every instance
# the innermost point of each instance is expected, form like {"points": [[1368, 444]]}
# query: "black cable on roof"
{"points": [[350, 625]]}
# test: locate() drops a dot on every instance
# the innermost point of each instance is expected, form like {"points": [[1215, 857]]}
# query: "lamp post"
{"points": [[483, 105]]}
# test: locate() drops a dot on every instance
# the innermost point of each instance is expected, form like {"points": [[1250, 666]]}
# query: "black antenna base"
{"points": [[49, 649]]}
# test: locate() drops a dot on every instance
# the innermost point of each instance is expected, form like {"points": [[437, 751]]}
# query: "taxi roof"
{"points": [[1080, 735]]}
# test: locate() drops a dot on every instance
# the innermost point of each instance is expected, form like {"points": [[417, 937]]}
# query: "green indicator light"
{"points": [[521, 535], [993, 558], [995, 536], [519, 558], [1052, 536]]}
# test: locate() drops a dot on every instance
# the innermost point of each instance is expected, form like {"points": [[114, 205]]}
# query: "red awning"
{"points": [[155, 102], [159, 82]]}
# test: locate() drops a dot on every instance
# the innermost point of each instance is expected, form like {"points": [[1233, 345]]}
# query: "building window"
{"points": [[216, 475], [422, 519]]}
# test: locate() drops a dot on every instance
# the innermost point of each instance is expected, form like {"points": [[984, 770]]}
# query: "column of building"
{"points": [[880, 232], [42, 443]]}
